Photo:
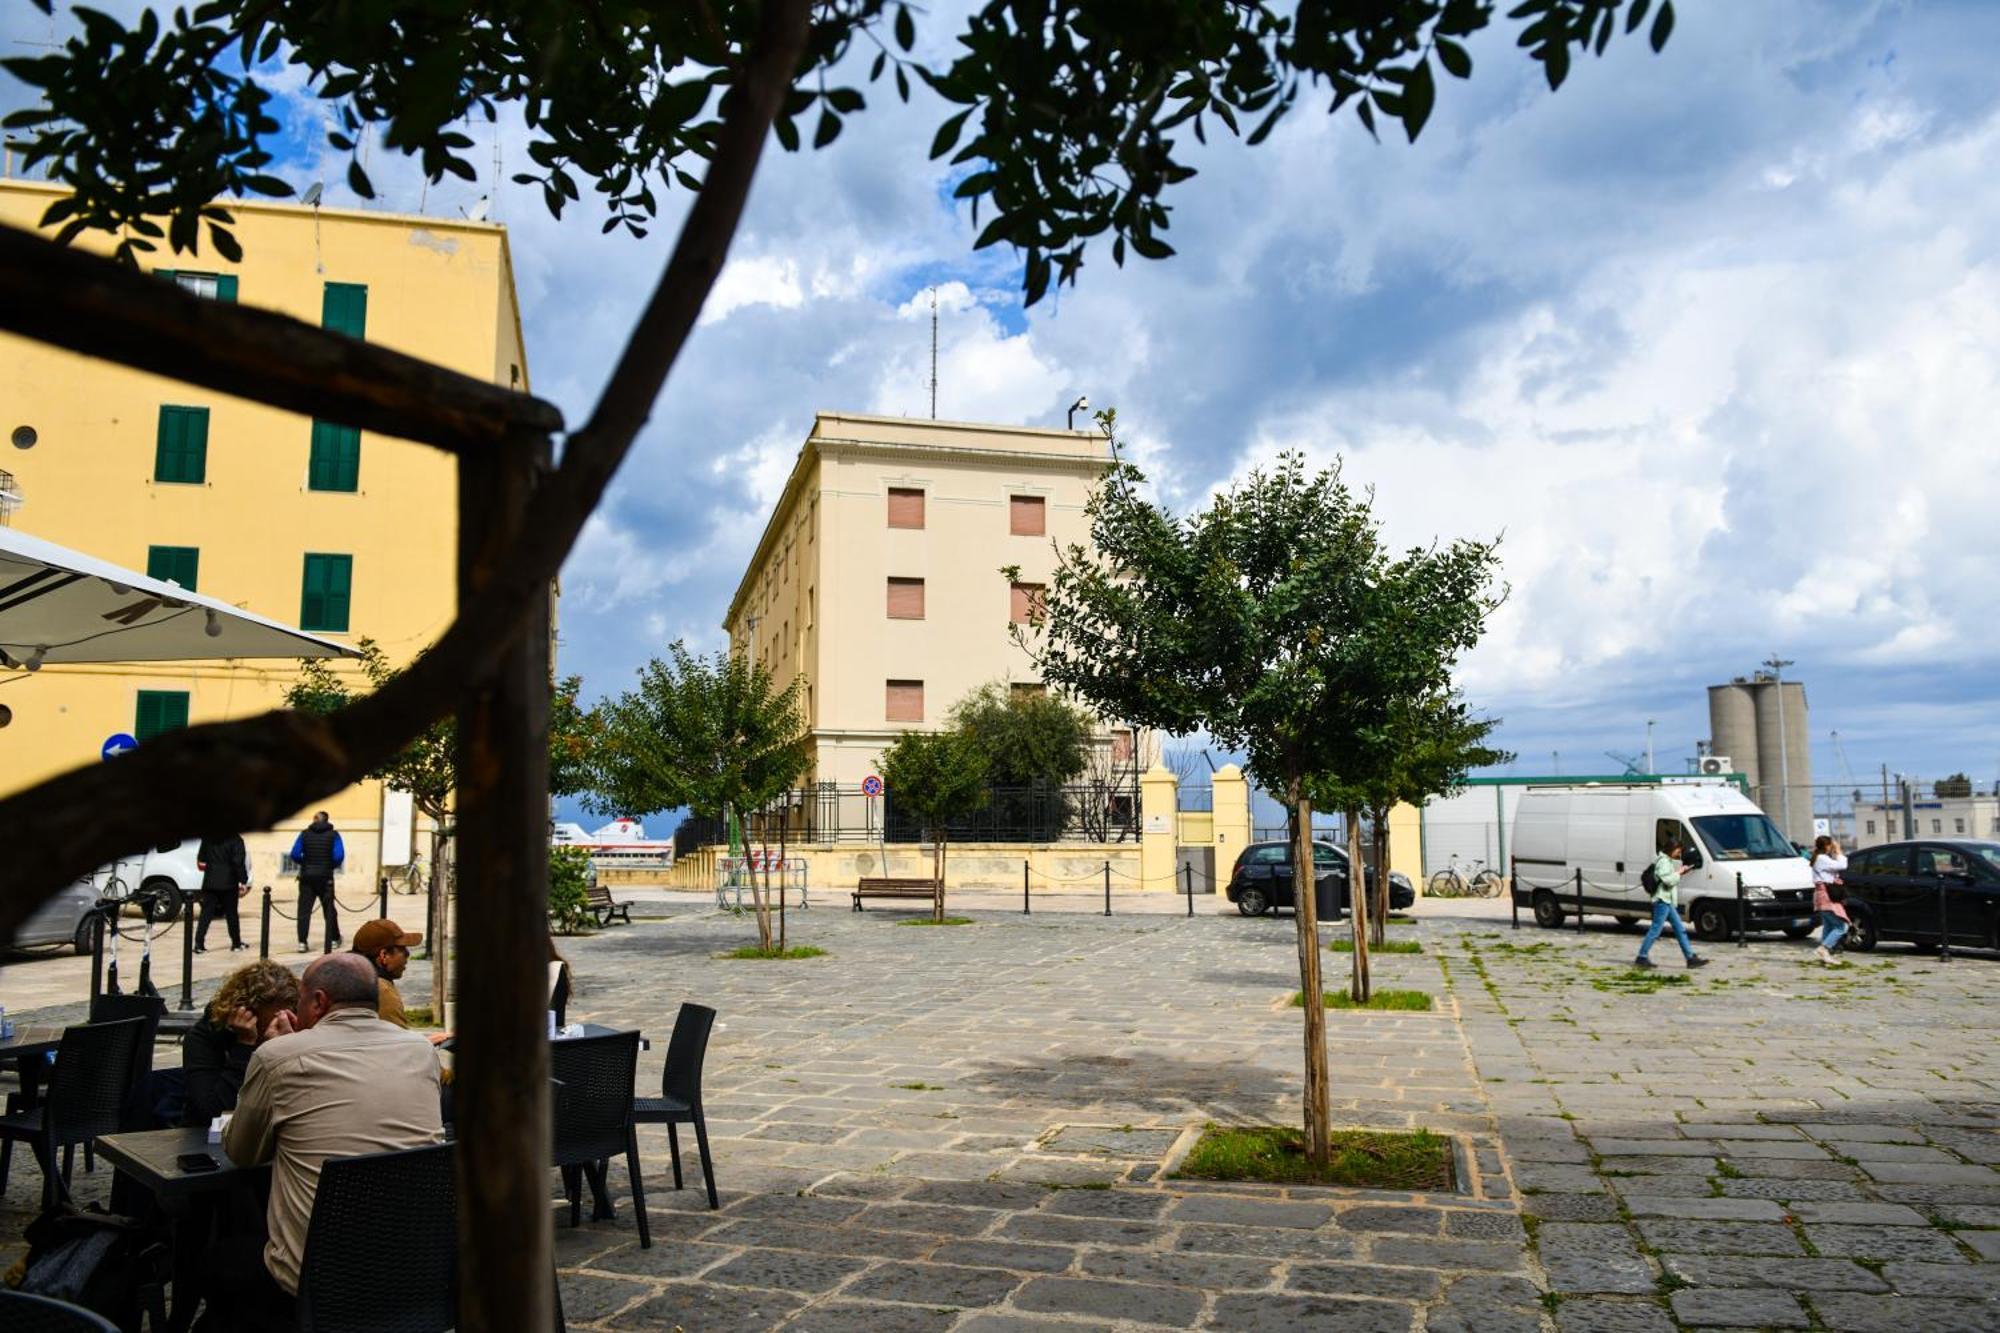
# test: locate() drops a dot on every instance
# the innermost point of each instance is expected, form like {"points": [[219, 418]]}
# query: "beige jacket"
{"points": [[350, 1084]]}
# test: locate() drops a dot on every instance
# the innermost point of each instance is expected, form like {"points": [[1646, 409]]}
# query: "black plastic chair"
{"points": [[86, 1097], [116, 1009], [24, 1313], [679, 1101], [593, 1119], [358, 1275], [559, 991]]}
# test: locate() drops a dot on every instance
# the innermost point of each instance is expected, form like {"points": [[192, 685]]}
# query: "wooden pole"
{"points": [[1358, 907], [502, 1086], [1305, 913]]}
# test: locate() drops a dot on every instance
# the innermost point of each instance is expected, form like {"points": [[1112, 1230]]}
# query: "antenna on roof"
{"points": [[933, 352]]}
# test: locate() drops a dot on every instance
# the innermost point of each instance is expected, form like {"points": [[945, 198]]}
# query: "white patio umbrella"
{"points": [[59, 605]]}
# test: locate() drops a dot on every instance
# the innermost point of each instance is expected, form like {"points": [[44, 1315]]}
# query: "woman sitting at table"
{"points": [[217, 1049]]}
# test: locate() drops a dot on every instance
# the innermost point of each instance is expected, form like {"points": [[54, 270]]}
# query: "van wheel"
{"points": [[159, 899], [1626, 922], [1547, 914], [1252, 902], [1711, 921]]}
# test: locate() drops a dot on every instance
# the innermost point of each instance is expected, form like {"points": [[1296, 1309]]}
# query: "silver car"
{"points": [[64, 919]]}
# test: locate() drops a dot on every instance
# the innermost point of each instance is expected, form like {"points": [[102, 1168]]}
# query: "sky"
{"points": [[1706, 338]]}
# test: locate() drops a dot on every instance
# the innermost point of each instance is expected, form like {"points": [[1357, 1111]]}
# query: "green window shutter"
{"points": [[158, 711], [329, 585], [181, 451], [336, 458], [225, 287], [166, 273], [344, 309], [173, 564]]}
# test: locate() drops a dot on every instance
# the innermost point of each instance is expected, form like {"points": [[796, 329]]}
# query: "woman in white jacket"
{"points": [[1827, 865]]}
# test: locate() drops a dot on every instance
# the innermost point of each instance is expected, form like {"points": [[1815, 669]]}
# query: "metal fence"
{"points": [[829, 813]]}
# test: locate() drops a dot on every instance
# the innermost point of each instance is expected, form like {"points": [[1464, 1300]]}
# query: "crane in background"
{"points": [[1635, 764]]}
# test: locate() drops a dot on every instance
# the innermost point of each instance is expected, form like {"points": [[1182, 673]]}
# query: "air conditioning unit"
{"points": [[1715, 765]]}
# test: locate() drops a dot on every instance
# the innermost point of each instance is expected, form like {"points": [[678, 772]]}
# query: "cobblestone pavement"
{"points": [[1764, 1143], [962, 1128]]}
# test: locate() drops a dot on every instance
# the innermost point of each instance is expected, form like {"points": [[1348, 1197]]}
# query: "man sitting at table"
{"points": [[337, 1083]]}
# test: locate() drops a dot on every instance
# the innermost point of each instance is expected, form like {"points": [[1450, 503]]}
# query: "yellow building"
{"points": [[343, 533], [878, 575]]}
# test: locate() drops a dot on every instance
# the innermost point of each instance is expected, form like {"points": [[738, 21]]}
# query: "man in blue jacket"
{"points": [[318, 852]]}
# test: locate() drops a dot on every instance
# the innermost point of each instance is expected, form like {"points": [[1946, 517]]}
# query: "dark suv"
{"points": [[1894, 893], [1262, 878]]}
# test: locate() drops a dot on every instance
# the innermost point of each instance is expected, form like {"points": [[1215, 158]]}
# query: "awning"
{"points": [[59, 605]]}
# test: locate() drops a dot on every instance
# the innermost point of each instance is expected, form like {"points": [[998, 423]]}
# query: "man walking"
{"points": [[225, 877], [318, 852], [338, 1082]]}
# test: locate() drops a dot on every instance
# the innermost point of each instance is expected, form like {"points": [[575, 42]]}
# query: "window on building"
{"points": [[329, 587], [1025, 603], [344, 309], [906, 599], [1937, 826], [1121, 747], [173, 564], [906, 507], [811, 607], [1892, 826], [1871, 828], [214, 286], [158, 711], [1028, 689], [1958, 826], [906, 701], [180, 453], [1027, 516], [336, 458], [812, 520]]}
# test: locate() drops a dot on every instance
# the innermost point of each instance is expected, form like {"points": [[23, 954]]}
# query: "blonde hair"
{"points": [[252, 987]]}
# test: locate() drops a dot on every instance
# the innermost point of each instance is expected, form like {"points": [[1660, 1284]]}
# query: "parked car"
{"points": [[1608, 833], [65, 918], [1893, 893], [1262, 878], [159, 882]]}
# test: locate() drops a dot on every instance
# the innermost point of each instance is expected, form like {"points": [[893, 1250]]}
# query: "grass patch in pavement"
{"points": [[1639, 980], [796, 951], [1361, 1159], [1411, 1000], [1386, 946], [928, 921]]}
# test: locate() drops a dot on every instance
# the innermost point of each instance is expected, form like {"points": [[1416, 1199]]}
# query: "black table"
{"points": [[589, 1030], [187, 1197], [30, 1048]]}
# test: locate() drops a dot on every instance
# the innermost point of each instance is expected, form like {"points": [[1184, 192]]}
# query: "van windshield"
{"points": [[1742, 837]]}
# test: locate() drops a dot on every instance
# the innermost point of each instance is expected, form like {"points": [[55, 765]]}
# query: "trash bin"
{"points": [[1329, 892]]}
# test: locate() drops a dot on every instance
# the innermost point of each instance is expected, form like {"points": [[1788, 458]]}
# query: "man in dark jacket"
{"points": [[225, 877], [318, 852]]}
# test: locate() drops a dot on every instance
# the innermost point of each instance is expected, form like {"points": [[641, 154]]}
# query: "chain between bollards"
{"points": [[1107, 888]]}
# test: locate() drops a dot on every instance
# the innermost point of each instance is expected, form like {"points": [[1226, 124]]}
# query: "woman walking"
{"points": [[1663, 877], [1827, 865]]}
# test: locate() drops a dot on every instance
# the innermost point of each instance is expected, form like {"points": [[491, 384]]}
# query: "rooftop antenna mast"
{"points": [[934, 352]]}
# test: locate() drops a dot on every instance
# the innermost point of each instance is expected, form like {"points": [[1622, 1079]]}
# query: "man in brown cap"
{"points": [[387, 945]]}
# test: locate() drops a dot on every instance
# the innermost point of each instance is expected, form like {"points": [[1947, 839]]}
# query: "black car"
{"points": [[1917, 891], [1262, 878]]}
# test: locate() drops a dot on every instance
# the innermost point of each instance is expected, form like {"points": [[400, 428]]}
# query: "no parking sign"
{"points": [[871, 785]]}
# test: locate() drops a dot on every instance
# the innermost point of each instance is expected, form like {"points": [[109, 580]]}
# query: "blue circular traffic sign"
{"points": [[118, 743], [871, 785]]}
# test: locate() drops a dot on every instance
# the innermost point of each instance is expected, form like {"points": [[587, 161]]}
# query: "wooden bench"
{"points": [[606, 908], [884, 887]]}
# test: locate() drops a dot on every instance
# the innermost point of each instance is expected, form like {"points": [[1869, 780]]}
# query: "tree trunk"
{"points": [[784, 832], [1378, 922], [937, 872], [501, 1089], [1305, 913], [439, 926], [757, 892], [1357, 897]]}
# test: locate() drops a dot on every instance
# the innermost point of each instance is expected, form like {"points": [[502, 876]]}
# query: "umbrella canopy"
{"points": [[59, 605]]}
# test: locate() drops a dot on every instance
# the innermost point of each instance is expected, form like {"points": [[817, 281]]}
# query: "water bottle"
{"points": [[6, 1025]]}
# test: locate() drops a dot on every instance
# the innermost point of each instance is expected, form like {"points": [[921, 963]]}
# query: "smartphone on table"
{"points": [[197, 1161]]}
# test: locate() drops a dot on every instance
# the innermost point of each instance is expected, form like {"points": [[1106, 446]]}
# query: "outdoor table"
{"points": [[588, 1030], [186, 1197], [30, 1048]]}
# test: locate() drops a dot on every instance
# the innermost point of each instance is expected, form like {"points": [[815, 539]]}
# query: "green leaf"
{"points": [[906, 28], [1419, 94], [787, 131], [1637, 14], [947, 134], [846, 101], [1151, 246], [979, 182], [828, 131], [225, 244], [1663, 26], [357, 180], [1454, 59]]}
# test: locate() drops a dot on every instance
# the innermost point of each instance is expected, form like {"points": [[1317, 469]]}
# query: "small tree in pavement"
{"points": [[937, 776]]}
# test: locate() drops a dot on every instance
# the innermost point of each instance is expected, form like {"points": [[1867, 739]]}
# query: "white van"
{"points": [[1610, 832]]}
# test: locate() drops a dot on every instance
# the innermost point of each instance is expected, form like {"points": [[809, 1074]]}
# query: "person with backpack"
{"points": [[1828, 896], [318, 852], [1662, 880]]}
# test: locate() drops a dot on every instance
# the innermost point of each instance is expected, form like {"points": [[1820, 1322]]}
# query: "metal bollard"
{"points": [[1742, 913], [1944, 925], [1024, 888], [1187, 876], [382, 892], [187, 956], [1514, 891], [1579, 901], [264, 929], [97, 955], [1107, 888]]}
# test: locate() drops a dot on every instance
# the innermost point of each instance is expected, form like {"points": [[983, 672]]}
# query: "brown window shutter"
{"points": [[906, 701], [1026, 603], [906, 599], [1121, 747], [906, 508], [1027, 516], [1028, 689]]}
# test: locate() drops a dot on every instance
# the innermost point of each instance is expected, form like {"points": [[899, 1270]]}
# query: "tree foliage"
{"points": [[1024, 737], [1069, 121], [937, 776]]}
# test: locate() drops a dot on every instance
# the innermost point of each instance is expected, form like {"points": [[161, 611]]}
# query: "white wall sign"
{"points": [[398, 814]]}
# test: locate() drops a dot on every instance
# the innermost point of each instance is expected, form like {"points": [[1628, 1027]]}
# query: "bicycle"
{"points": [[1451, 882]]}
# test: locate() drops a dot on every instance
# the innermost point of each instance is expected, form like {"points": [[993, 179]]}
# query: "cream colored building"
{"points": [[879, 575], [343, 533]]}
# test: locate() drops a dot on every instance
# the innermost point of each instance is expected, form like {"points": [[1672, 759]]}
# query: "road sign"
{"points": [[118, 743], [871, 785]]}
